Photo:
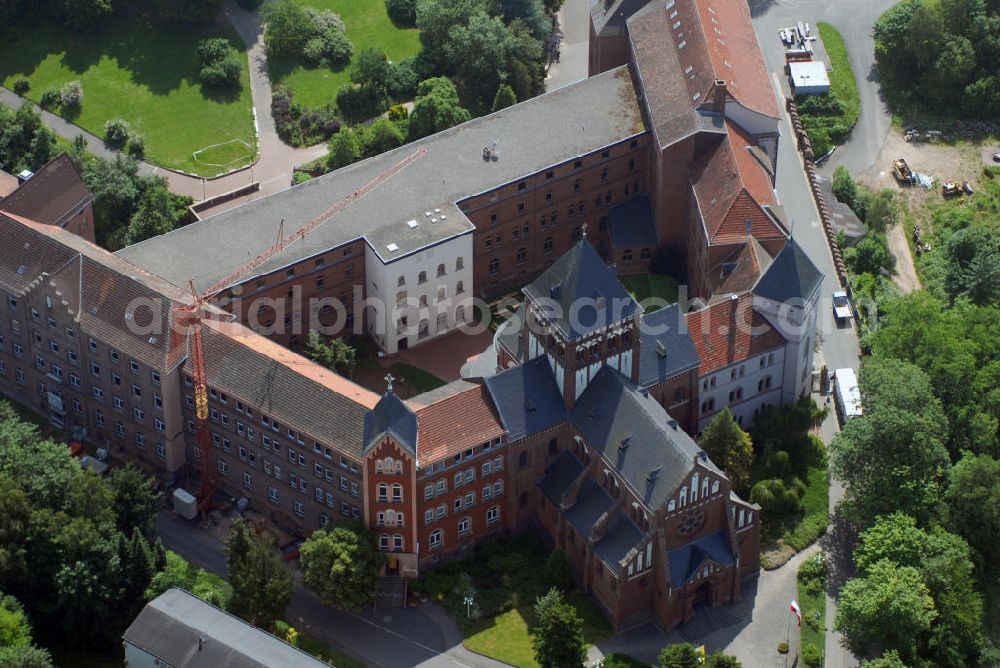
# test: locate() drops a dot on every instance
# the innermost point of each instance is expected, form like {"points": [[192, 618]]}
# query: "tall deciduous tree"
{"points": [[729, 447], [335, 354], [973, 499], [889, 607], [679, 655], [436, 108], [344, 148], [893, 456], [341, 566]]}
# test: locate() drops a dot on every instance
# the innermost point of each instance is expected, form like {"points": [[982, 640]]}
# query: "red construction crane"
{"points": [[189, 320]]}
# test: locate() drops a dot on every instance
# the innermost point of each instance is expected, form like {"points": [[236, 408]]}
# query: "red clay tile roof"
{"points": [[735, 53], [8, 183], [731, 186], [456, 423], [728, 332], [52, 196]]}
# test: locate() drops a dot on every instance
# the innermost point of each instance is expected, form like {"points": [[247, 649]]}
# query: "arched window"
{"points": [[694, 488], [672, 506], [460, 287], [684, 496], [441, 270], [459, 263], [397, 492], [383, 492], [704, 487], [390, 517], [389, 466], [715, 486], [399, 466], [422, 277]]}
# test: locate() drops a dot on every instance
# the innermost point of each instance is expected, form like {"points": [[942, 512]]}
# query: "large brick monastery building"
{"points": [[579, 427]]}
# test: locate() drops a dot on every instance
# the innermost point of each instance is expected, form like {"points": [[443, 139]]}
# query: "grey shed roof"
{"points": [[560, 475], [622, 535], [527, 398], [792, 275], [685, 560], [635, 435], [632, 224], [665, 354], [574, 287], [170, 625], [546, 130], [391, 417]]}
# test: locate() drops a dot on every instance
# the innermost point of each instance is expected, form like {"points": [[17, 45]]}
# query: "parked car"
{"points": [[996, 157], [841, 306]]}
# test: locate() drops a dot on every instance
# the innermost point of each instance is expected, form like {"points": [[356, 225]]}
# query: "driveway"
{"points": [[396, 638], [854, 19], [573, 38]]}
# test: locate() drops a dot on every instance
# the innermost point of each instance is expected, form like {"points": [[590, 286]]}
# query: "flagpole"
{"points": [[788, 634]]}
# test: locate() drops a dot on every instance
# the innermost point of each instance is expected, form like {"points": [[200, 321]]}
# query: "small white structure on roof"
{"points": [[809, 77]]}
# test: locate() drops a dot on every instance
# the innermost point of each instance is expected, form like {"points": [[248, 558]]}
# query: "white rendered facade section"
{"points": [[797, 322], [420, 296], [744, 388]]}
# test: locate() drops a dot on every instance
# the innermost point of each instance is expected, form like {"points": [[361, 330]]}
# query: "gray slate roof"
{"points": [[527, 398], [546, 130], [792, 275], [680, 353], [612, 410], [591, 503], [622, 535], [560, 475], [391, 417], [632, 225], [170, 626], [580, 277], [685, 560]]}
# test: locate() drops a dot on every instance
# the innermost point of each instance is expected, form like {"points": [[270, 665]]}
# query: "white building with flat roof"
{"points": [[809, 77]]}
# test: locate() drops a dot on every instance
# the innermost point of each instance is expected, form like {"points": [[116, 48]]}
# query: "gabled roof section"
{"points": [[666, 349], [180, 629], [635, 436], [393, 418], [527, 398], [685, 561], [733, 188], [52, 196], [455, 423], [26, 253], [285, 385], [735, 53], [792, 275], [610, 16], [751, 261], [591, 502], [582, 285], [674, 69], [560, 475], [621, 537], [730, 331]]}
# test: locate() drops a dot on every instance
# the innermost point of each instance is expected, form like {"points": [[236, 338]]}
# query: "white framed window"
{"points": [[470, 499], [429, 491], [161, 451], [298, 508], [437, 537], [498, 464], [440, 487], [498, 488], [464, 526], [272, 494], [248, 479], [223, 467], [493, 515], [487, 468], [324, 519], [428, 516], [487, 492], [470, 475]]}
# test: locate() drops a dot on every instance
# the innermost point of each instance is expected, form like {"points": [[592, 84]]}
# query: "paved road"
{"points": [[399, 638], [854, 19], [839, 345], [573, 33]]}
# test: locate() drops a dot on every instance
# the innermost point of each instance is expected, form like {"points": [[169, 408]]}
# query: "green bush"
{"points": [[71, 95], [136, 146], [116, 132], [220, 64], [402, 12], [300, 177], [558, 572], [21, 84], [49, 99], [812, 657], [398, 112], [213, 49]]}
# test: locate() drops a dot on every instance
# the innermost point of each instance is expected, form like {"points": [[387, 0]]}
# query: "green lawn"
{"points": [[828, 118], [367, 24], [507, 637], [644, 286], [418, 379], [144, 73], [842, 81]]}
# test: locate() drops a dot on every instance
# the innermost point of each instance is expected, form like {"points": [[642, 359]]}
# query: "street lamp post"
{"points": [[469, 600]]}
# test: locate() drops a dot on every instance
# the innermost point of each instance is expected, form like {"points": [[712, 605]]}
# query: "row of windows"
{"points": [[261, 283], [441, 271], [708, 405], [683, 499], [463, 502], [465, 526], [738, 372]]}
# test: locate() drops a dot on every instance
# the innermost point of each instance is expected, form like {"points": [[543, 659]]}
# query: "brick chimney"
{"points": [[719, 96]]}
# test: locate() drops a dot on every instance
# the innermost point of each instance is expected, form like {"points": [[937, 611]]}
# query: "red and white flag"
{"points": [[798, 612]]}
